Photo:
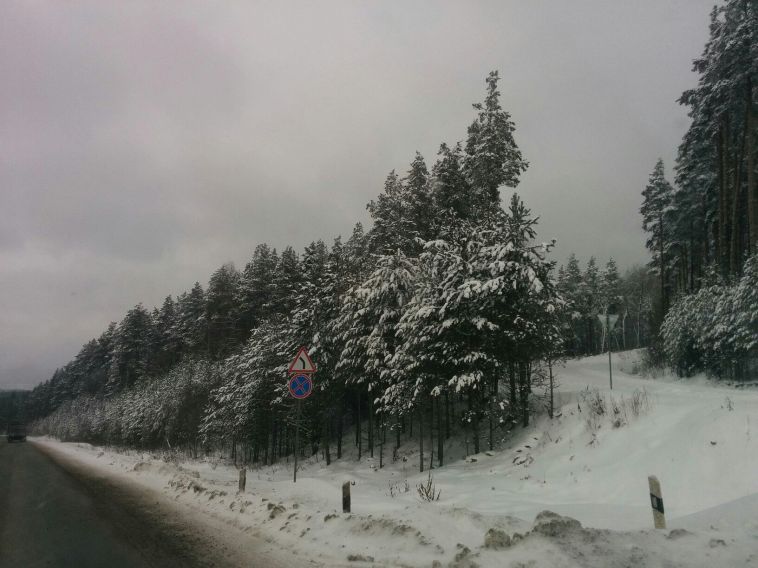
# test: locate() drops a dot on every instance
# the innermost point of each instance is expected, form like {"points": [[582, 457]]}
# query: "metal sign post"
{"points": [[297, 439], [300, 385], [608, 321]]}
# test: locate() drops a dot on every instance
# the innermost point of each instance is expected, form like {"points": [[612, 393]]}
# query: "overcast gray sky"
{"points": [[143, 144]]}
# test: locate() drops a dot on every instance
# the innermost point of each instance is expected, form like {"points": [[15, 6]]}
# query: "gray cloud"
{"points": [[144, 144]]}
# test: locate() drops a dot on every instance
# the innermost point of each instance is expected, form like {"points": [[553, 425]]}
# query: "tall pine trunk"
{"points": [[340, 422], [421, 434], [491, 417], [735, 248], [447, 416], [431, 433], [370, 424], [752, 186], [524, 389], [358, 433], [474, 405], [512, 393], [723, 222], [327, 434], [440, 442]]}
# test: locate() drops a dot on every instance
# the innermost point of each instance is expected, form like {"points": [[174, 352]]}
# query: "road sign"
{"points": [[302, 363], [609, 318], [300, 386]]}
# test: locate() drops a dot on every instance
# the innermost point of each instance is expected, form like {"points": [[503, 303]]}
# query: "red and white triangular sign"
{"points": [[302, 363]]}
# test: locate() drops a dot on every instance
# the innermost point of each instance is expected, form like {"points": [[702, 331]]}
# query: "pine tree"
{"points": [[287, 282], [657, 198], [492, 157], [193, 325], [257, 287], [222, 311], [392, 229], [420, 205], [132, 350], [451, 190], [167, 332]]}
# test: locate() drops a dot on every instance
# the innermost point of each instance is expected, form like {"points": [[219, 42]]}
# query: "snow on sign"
{"points": [[302, 363], [300, 386]]}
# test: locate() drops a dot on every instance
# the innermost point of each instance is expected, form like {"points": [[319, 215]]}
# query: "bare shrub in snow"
{"points": [[398, 488], [427, 490], [639, 403], [597, 408], [618, 412]]}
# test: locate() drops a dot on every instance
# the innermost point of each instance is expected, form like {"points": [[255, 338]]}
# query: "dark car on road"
{"points": [[16, 432]]}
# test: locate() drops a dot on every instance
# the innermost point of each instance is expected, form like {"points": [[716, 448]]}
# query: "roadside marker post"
{"points": [[300, 385], [656, 502]]}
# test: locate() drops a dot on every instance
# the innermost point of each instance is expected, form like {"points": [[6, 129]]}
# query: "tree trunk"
{"points": [[397, 433], [551, 409], [358, 433], [723, 223], [475, 418], [327, 433], [524, 389], [735, 259], [513, 394], [431, 433], [421, 434], [439, 433], [447, 416], [371, 424], [752, 186], [339, 435], [381, 441], [662, 263], [273, 439], [491, 417]]}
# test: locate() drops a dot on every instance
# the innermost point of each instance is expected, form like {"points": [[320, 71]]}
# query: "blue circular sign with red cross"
{"points": [[300, 386]]}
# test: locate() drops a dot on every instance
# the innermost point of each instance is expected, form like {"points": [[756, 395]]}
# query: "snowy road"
{"points": [[53, 513]]}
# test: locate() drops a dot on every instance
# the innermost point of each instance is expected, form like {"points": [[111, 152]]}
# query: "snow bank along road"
{"points": [[56, 513], [586, 466]]}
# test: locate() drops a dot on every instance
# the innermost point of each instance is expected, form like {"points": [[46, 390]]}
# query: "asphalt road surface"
{"points": [[53, 513]]}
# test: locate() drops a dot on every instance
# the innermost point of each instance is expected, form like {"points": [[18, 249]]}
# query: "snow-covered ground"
{"points": [[696, 436]]}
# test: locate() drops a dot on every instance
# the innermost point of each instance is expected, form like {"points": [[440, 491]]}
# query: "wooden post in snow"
{"points": [[656, 501], [346, 497], [243, 479]]}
